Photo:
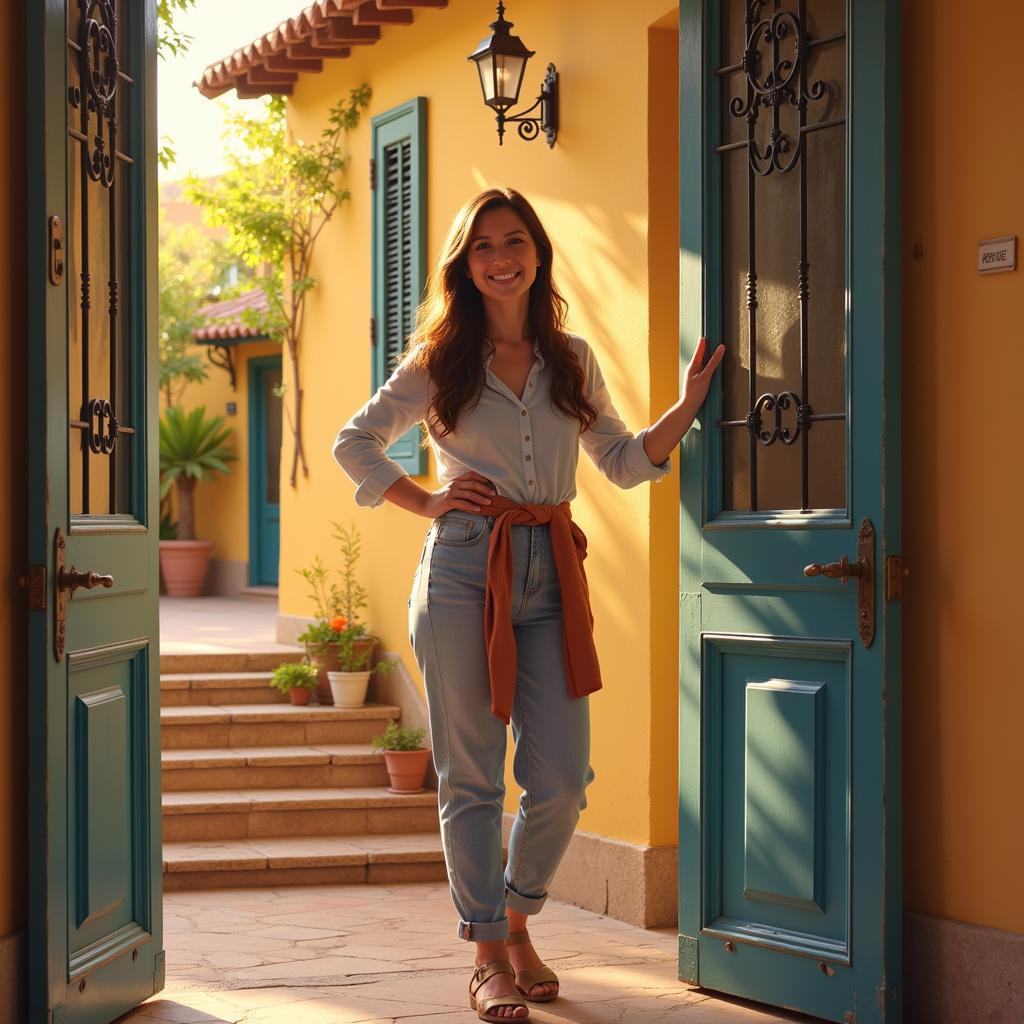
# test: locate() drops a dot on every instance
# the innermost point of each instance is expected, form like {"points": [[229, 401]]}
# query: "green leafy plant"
{"points": [[192, 447], [337, 605], [274, 200], [297, 675], [398, 737], [168, 526]]}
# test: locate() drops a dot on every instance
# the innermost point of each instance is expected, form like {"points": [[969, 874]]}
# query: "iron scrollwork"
{"points": [[773, 74], [775, 79], [98, 75], [778, 404], [102, 429]]}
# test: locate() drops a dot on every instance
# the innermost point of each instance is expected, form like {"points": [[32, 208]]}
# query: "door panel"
{"points": [[265, 470], [95, 937], [789, 710]]}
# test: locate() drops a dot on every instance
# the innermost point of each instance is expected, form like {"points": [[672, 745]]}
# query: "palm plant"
{"points": [[192, 447]]}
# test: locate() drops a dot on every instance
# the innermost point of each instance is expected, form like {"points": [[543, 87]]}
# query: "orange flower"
{"points": [[338, 623]]}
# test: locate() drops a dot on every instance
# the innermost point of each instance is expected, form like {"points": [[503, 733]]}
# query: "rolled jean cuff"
{"points": [[523, 904], [483, 931]]}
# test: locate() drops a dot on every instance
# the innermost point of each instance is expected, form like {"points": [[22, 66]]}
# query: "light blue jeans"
{"points": [[551, 729]]}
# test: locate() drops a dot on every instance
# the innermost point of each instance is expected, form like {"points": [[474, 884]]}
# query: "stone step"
{"points": [[270, 725], [319, 860], [345, 764], [229, 661], [267, 813], [198, 689]]}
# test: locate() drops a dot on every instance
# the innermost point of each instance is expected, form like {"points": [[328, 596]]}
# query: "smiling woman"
{"points": [[509, 397]]}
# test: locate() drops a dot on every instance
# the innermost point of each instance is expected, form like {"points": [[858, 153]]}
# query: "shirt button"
{"points": [[528, 457], [523, 412], [530, 482], [527, 438]]}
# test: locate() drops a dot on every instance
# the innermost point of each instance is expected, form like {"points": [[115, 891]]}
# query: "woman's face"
{"points": [[502, 258]]}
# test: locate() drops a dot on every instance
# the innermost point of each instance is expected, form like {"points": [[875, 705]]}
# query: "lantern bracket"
{"points": [[530, 127]]}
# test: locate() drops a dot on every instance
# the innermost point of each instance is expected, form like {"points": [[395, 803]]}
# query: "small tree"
{"points": [[274, 201]]}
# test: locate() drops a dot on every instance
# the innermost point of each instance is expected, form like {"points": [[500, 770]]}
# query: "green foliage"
{"points": [[273, 201], [192, 445], [294, 675], [170, 41], [398, 737], [329, 599], [337, 624], [194, 271]]}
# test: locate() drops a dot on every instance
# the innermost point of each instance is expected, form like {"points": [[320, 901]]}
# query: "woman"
{"points": [[499, 614]]}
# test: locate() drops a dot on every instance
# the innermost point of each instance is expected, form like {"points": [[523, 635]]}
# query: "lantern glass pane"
{"points": [[485, 66], [509, 74]]}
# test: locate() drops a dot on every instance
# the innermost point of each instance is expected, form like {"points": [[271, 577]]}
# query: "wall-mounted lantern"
{"points": [[501, 61]]}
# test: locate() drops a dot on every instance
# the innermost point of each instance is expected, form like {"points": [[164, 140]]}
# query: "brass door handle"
{"points": [[841, 570], [863, 570], [86, 580]]}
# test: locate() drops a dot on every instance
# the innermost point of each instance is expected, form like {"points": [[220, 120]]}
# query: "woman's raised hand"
{"points": [[469, 492], [698, 378]]}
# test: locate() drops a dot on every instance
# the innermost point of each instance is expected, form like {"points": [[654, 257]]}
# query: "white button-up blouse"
{"points": [[526, 447]]}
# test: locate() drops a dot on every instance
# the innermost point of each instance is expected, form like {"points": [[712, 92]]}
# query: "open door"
{"points": [[790, 885], [95, 931]]}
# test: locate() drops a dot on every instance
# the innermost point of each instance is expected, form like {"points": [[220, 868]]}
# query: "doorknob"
{"points": [[67, 583], [86, 580], [841, 570], [863, 571]]}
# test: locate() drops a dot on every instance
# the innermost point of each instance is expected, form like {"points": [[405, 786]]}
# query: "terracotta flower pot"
{"points": [[406, 769], [348, 689], [300, 694], [326, 660], [183, 564]]}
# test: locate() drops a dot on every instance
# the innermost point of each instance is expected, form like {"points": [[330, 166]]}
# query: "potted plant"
{"points": [[404, 756], [336, 641], [350, 679], [192, 448], [297, 679]]}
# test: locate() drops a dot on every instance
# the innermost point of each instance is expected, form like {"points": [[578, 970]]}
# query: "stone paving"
{"points": [[388, 954]]}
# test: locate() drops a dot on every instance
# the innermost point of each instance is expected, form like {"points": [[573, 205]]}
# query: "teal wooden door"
{"points": [[790, 820], [264, 470], [95, 931]]}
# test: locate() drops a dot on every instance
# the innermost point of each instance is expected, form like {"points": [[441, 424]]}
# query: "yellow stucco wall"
{"points": [[591, 191], [963, 489], [13, 713]]}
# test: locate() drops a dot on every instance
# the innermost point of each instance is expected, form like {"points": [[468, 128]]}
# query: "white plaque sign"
{"points": [[997, 255]]}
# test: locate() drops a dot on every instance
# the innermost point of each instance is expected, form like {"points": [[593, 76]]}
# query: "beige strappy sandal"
{"points": [[487, 1003], [526, 979]]}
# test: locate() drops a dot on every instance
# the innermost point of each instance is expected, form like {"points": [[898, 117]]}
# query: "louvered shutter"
{"points": [[399, 244]]}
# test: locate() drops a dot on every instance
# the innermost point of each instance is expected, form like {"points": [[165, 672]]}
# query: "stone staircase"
{"points": [[258, 792]]}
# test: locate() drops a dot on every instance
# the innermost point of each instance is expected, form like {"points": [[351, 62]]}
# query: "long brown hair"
{"points": [[451, 323]]}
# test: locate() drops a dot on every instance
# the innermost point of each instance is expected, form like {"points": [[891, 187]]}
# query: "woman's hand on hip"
{"points": [[469, 492]]}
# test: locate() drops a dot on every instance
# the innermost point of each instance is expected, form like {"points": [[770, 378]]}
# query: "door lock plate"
{"points": [[866, 583], [60, 597]]}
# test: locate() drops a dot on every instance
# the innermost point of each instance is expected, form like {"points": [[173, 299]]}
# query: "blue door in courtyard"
{"points": [[95, 924], [264, 469], [789, 829]]}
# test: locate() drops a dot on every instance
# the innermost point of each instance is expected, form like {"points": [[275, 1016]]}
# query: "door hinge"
{"points": [[35, 584], [373, 331], [894, 576], [373, 174]]}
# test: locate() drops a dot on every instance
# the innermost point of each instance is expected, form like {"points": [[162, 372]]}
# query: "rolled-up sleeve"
{"points": [[614, 449], [361, 445]]}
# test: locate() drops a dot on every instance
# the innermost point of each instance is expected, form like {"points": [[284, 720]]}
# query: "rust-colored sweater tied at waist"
{"points": [[569, 545]]}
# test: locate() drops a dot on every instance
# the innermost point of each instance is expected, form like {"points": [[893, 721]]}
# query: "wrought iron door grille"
{"points": [[93, 125], [774, 70]]}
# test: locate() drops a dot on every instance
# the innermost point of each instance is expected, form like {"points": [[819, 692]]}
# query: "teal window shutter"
{"points": [[399, 249]]}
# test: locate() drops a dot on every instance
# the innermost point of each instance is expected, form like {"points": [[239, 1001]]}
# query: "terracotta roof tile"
{"points": [[224, 320], [325, 29]]}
